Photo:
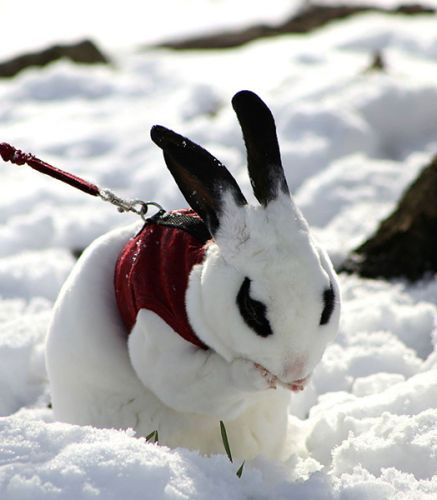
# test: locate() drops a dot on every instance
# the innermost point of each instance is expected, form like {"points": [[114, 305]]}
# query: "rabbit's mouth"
{"points": [[274, 381]]}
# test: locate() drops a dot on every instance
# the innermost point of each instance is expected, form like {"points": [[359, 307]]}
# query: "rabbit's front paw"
{"points": [[250, 376]]}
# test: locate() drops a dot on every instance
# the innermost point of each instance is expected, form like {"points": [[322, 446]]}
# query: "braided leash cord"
{"points": [[17, 157]]}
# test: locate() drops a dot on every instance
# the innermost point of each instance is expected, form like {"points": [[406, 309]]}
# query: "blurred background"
{"points": [[351, 83], [124, 24]]}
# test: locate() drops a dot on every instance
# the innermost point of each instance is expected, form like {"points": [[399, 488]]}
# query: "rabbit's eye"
{"points": [[253, 311], [329, 302]]}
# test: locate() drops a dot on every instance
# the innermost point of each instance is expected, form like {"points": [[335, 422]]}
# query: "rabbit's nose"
{"points": [[295, 369]]}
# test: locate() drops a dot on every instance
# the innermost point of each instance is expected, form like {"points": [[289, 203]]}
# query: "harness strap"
{"points": [[189, 222]]}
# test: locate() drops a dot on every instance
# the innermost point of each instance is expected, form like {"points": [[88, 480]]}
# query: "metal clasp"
{"points": [[138, 207]]}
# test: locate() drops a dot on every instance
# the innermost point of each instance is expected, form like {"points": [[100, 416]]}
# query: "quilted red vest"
{"points": [[153, 268]]}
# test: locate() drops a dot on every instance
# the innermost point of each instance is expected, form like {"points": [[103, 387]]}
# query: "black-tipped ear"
{"points": [[202, 179], [263, 156]]}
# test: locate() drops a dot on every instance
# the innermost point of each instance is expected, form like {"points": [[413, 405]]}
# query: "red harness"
{"points": [[153, 268]]}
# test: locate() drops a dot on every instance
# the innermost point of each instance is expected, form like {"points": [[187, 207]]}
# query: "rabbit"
{"points": [[261, 302]]}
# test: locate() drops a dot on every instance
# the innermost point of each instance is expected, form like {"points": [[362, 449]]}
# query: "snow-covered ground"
{"points": [[351, 142]]}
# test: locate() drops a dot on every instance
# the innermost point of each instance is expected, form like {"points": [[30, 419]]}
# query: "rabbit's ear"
{"points": [[202, 179], [263, 156]]}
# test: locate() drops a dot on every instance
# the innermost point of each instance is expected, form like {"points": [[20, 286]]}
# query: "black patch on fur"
{"points": [[329, 303], [253, 311], [263, 155], [202, 179]]}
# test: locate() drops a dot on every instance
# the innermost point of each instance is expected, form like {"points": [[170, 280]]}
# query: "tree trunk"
{"points": [[405, 244]]}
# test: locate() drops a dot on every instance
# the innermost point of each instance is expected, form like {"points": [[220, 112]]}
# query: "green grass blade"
{"points": [[240, 470], [225, 440], [153, 437]]}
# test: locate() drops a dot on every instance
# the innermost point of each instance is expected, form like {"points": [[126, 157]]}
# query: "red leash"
{"points": [[18, 157]]}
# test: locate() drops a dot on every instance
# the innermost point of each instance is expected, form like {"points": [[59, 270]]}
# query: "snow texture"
{"points": [[352, 140]]}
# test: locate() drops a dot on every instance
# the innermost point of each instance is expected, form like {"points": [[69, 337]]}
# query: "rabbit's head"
{"points": [[265, 291]]}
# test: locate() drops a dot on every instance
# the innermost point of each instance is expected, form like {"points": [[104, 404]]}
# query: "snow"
{"points": [[352, 141]]}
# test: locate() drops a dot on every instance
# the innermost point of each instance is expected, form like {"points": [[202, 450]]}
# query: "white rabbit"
{"points": [[261, 300]]}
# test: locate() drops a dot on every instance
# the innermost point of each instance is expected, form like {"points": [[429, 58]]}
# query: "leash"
{"points": [[18, 157]]}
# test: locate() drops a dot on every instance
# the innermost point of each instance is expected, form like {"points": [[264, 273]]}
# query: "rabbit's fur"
{"points": [[265, 300]]}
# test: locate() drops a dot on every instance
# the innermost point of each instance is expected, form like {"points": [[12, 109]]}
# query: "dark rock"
{"points": [[85, 52], [377, 63], [77, 252], [405, 244], [310, 18], [413, 9]]}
